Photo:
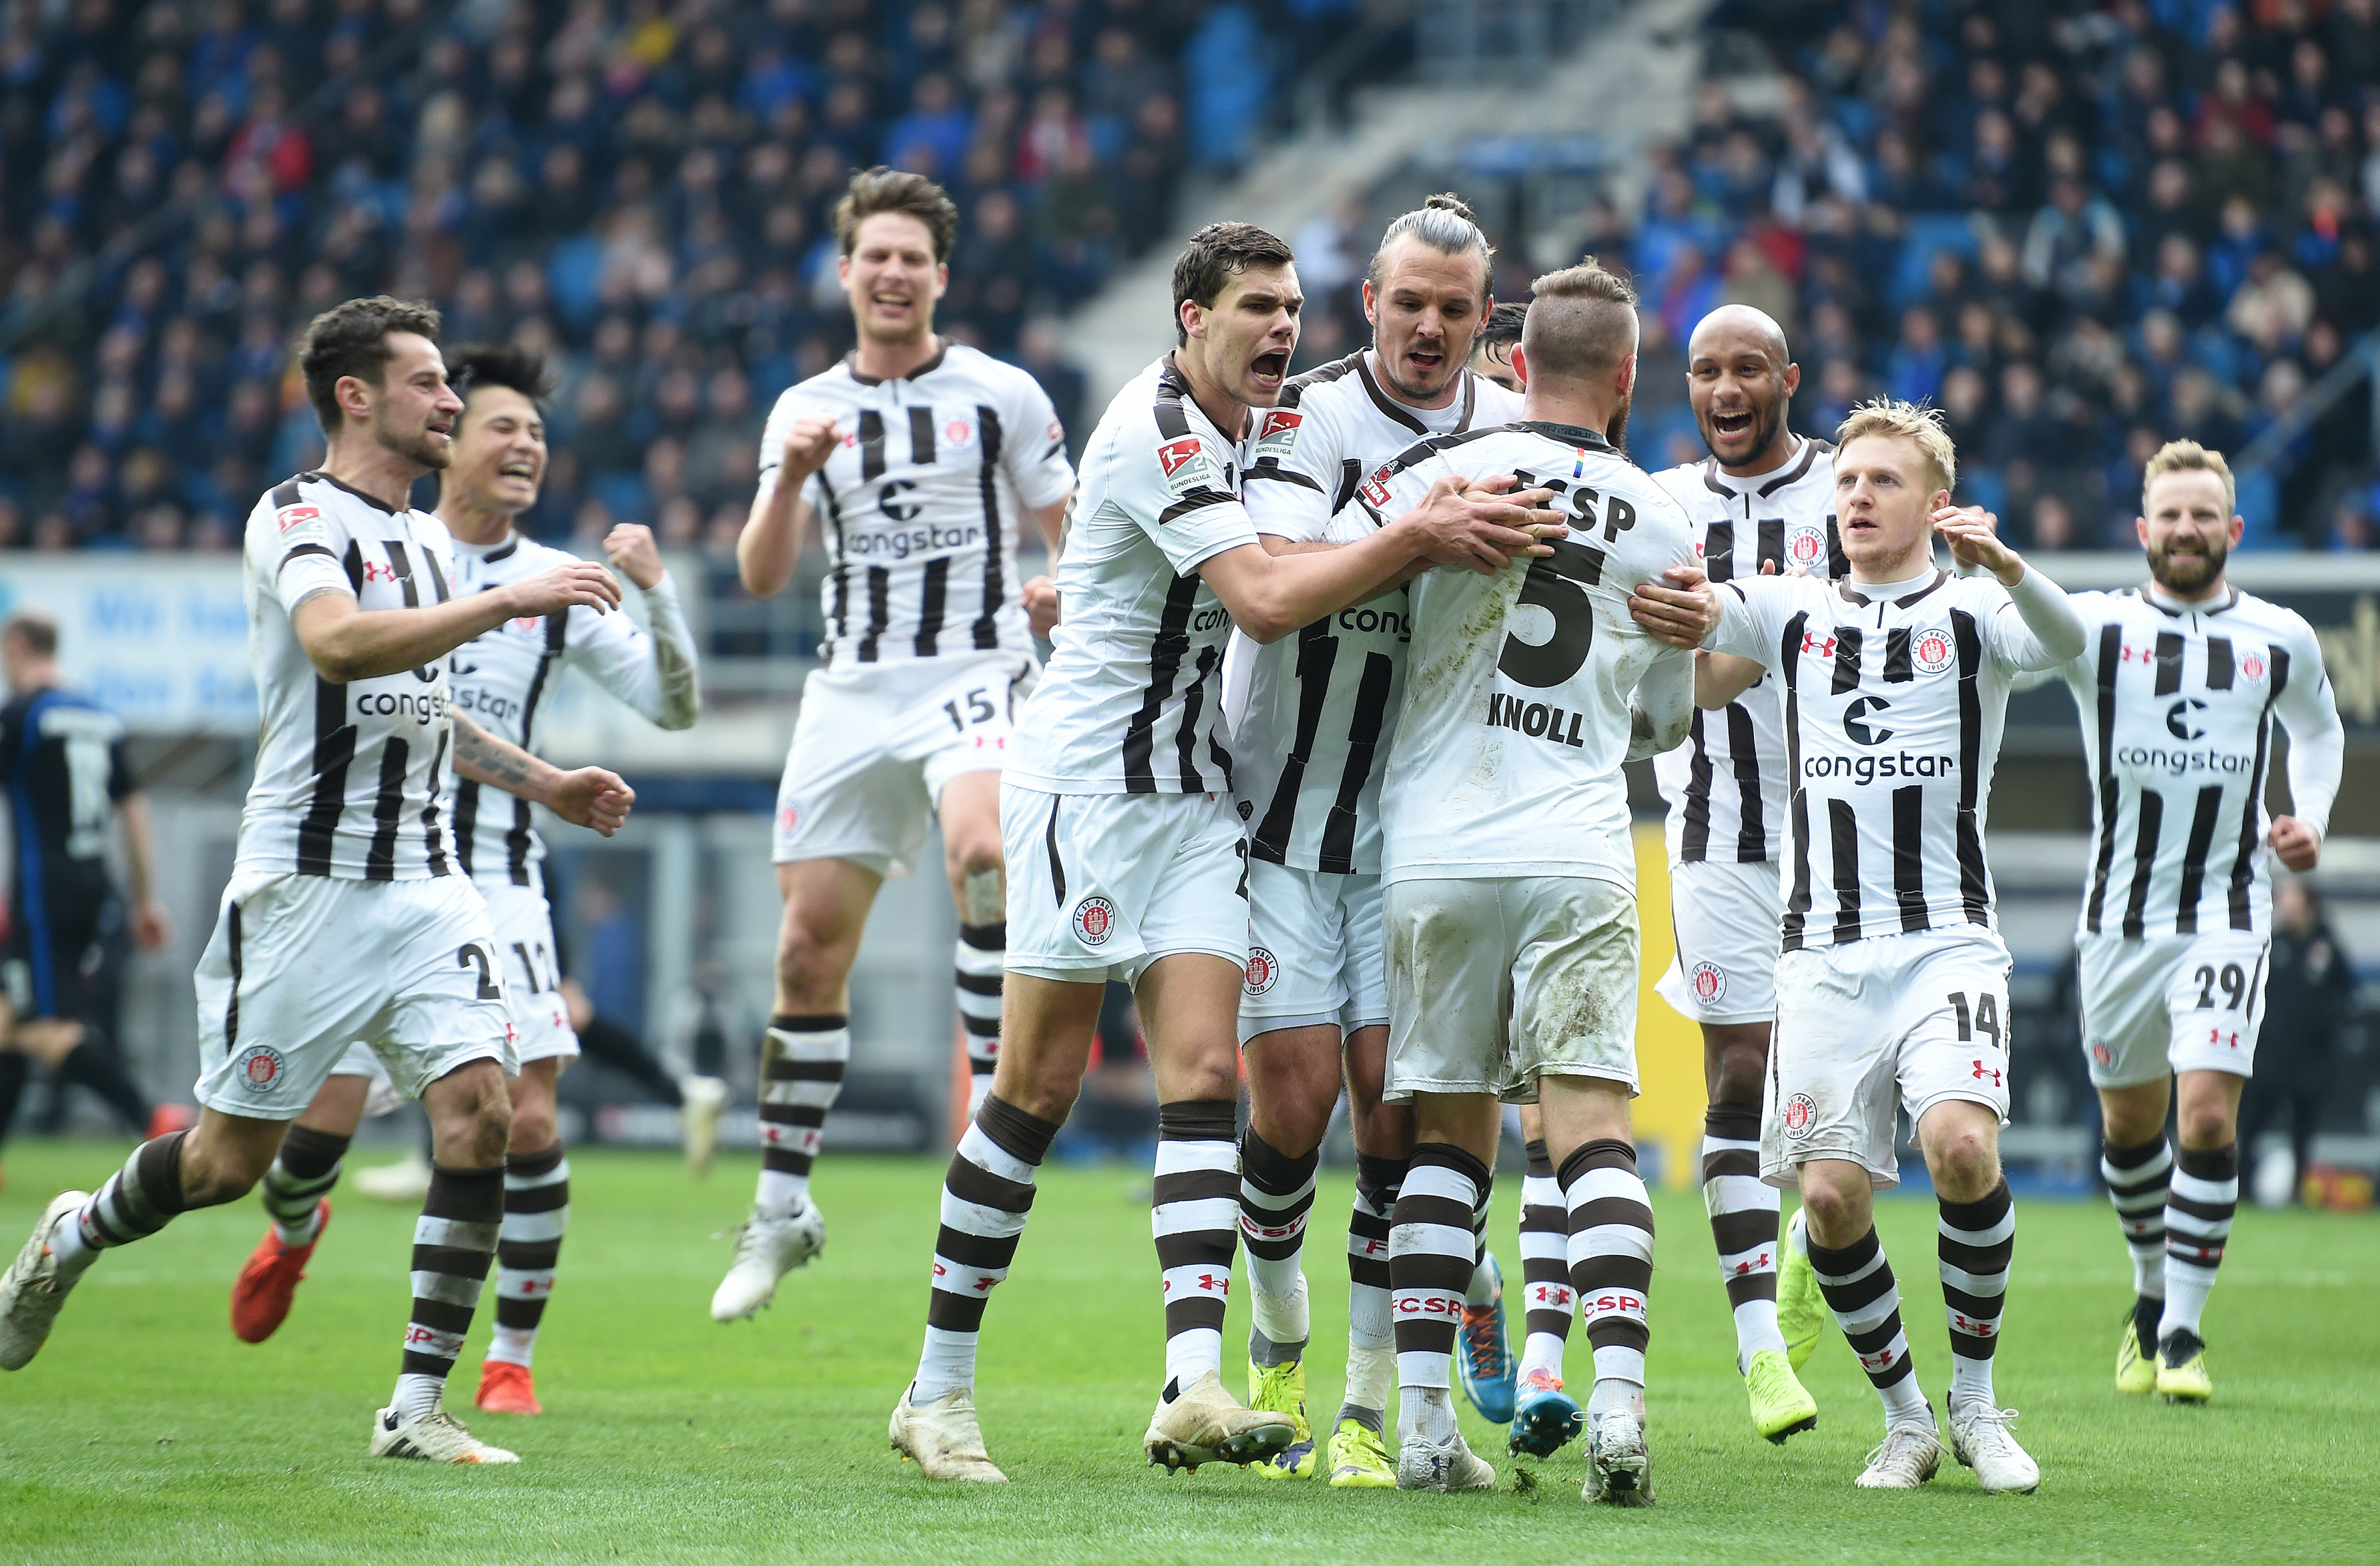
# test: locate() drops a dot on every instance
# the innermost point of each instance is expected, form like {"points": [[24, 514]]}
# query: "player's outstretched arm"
{"points": [[1271, 595], [2057, 632], [1720, 677], [770, 545], [588, 797], [1661, 712], [346, 642]]}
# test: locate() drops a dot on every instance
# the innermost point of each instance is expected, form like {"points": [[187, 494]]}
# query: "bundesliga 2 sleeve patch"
{"points": [[300, 524], [1187, 467], [1277, 434]]}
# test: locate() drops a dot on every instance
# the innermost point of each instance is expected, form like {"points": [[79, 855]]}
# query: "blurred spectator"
{"points": [[2309, 1003]]}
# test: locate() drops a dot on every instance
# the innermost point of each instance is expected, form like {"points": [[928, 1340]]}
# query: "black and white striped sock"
{"points": [[982, 957], [537, 1211], [137, 1200], [1195, 1220], [1483, 1290], [1276, 1195], [1743, 1225], [801, 1072], [1611, 1264], [2137, 1179], [453, 1241], [987, 1194], [2198, 1213], [1545, 1265], [1977, 1239], [1865, 1300], [302, 1175], [1371, 1339], [1432, 1250]]}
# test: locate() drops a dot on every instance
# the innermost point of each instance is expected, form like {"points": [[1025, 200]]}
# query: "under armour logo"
{"points": [[1973, 1327], [1209, 1283], [983, 1285], [1813, 642], [2216, 1036], [1982, 1071], [375, 572]]}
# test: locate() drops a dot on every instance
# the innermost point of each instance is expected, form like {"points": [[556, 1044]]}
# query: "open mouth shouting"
{"points": [[1732, 425], [1270, 368]]}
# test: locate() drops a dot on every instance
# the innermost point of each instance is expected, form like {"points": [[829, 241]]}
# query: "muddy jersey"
{"points": [[1516, 718]]}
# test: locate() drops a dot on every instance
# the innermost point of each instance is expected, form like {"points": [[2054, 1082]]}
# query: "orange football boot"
{"points": [[261, 1294], [505, 1387]]}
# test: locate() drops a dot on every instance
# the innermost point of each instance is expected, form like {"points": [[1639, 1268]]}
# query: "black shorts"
{"points": [[54, 965]]}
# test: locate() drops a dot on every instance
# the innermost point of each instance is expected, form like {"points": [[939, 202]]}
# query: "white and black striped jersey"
{"points": [[349, 778], [1894, 700], [1316, 715], [504, 680], [1515, 720], [2178, 702], [1131, 701], [1725, 785], [920, 502]]}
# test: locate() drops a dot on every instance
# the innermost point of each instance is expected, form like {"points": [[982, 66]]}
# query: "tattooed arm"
{"points": [[588, 797]]}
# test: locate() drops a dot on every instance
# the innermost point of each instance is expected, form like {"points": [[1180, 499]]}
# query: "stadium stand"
{"points": [[640, 188], [2081, 229]]}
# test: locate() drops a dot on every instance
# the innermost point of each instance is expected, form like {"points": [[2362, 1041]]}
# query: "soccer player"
{"points": [[2178, 688], [916, 458], [1762, 502], [1509, 901], [1892, 985], [348, 916], [1125, 857], [1314, 724], [504, 679], [62, 760]]}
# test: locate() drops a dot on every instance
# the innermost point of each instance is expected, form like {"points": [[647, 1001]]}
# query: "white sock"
{"points": [[1426, 1414], [1486, 1286], [1371, 1375], [1193, 1353], [1755, 1328], [513, 1345], [781, 1195], [417, 1395], [947, 1365], [1285, 1319], [1615, 1394], [1542, 1354]]}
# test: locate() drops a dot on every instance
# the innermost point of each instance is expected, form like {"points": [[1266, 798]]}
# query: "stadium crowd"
{"points": [[2082, 230], [640, 188]]}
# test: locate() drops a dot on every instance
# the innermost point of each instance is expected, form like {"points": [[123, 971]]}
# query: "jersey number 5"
{"points": [[1556, 584]]}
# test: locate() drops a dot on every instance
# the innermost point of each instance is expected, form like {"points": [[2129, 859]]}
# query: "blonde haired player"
{"points": [[2178, 689], [1892, 985]]}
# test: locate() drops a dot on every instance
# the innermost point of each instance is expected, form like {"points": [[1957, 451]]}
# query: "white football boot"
{"points": [[1908, 1457], [1206, 1424], [1449, 1465], [698, 1121], [436, 1436], [766, 1249], [1618, 1469], [1981, 1439], [32, 1288], [406, 1181], [943, 1438]]}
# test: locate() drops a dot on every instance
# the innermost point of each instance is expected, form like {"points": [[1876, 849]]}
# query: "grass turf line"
{"points": [[145, 1430]]}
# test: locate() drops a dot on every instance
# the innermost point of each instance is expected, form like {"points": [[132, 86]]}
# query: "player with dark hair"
{"points": [[506, 678], [1125, 854], [62, 760], [349, 914], [1491, 351], [916, 459]]}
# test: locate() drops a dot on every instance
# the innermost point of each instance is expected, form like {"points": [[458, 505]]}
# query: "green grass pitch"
{"points": [[145, 1430]]}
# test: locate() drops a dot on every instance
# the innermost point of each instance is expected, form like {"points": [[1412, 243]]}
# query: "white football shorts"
{"points": [[301, 966], [875, 745], [1101, 885], [1314, 951], [1873, 1026], [524, 927], [1725, 917], [2171, 1002], [1495, 983]]}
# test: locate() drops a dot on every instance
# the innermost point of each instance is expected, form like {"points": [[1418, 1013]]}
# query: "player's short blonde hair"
{"points": [[2188, 457], [1919, 425]]}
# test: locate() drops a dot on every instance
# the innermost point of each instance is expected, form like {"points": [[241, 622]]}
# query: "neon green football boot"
{"points": [[2136, 1372], [1281, 1389], [1801, 1309], [1781, 1406], [1359, 1458]]}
